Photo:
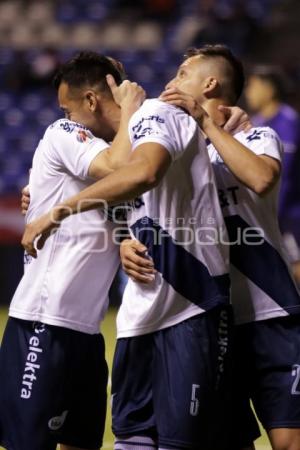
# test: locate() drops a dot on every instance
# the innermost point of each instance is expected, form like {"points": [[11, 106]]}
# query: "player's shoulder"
{"points": [[66, 127], [155, 103], [256, 135], [157, 114], [155, 109]]}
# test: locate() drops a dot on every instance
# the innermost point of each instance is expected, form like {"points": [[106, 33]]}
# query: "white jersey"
{"points": [[179, 221], [262, 286], [67, 285]]}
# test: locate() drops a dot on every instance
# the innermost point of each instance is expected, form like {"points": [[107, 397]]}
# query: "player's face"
{"points": [[79, 106], [258, 93], [191, 77]]}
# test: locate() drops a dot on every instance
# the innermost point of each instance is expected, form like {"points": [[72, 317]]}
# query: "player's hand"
{"points": [[25, 200], [175, 97], [41, 229], [136, 264], [237, 119], [129, 95]]}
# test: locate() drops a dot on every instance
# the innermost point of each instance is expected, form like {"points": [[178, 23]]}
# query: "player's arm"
{"points": [[258, 172], [147, 166], [129, 96]]}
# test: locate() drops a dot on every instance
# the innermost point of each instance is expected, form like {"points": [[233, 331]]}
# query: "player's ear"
{"points": [[92, 100], [211, 87]]}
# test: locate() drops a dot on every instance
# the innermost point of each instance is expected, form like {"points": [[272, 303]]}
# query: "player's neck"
{"points": [[211, 107], [270, 109], [111, 117]]}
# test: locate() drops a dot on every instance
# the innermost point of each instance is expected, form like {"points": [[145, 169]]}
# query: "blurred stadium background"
{"points": [[149, 37]]}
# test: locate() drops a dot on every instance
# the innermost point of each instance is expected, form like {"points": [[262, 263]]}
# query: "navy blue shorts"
{"points": [[53, 387], [173, 385], [267, 358]]}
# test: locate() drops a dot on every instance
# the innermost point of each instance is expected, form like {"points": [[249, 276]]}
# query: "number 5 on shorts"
{"points": [[194, 407]]}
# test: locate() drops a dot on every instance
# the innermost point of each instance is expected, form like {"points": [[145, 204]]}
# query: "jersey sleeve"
{"points": [[72, 148], [265, 141], [162, 124]]}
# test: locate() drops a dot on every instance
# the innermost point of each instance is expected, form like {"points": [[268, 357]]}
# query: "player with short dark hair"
{"points": [[265, 298], [231, 71], [88, 69], [171, 367], [53, 372]]}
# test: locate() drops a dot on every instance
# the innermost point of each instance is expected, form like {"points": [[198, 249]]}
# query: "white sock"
{"points": [[135, 443]]}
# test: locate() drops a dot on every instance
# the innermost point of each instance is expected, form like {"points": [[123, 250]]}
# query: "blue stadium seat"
{"points": [[7, 56], [95, 11], [6, 101], [31, 102], [13, 117], [68, 12], [47, 116]]}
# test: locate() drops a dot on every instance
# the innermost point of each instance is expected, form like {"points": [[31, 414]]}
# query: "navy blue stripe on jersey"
{"points": [[185, 273], [262, 264]]}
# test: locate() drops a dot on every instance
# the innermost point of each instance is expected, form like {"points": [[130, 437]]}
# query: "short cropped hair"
{"points": [[236, 75], [88, 69]]}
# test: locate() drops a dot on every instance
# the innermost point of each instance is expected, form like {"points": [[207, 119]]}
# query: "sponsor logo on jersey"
{"points": [[69, 126], [117, 213], [83, 135], [141, 131], [55, 423], [255, 136], [228, 196], [223, 337]]}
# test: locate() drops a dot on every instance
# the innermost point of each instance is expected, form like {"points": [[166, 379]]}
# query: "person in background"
{"points": [[265, 93]]}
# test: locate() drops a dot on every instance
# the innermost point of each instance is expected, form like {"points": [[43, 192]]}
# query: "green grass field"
{"points": [[108, 330]]}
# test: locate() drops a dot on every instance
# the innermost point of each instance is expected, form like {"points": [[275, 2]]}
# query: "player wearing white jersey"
{"points": [[265, 298], [173, 213], [259, 263], [80, 247], [169, 376], [53, 372]]}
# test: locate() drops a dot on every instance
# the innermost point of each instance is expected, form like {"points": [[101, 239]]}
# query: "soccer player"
{"points": [[171, 362], [265, 93], [53, 373], [265, 299]]}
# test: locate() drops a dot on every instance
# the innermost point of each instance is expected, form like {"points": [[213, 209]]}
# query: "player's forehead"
{"points": [[192, 62], [65, 95], [63, 92]]}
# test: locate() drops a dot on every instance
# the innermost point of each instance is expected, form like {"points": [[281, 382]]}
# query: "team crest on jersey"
{"points": [[83, 135]]}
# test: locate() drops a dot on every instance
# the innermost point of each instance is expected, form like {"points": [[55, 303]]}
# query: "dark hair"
{"points": [[275, 76], [237, 77], [87, 69]]}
